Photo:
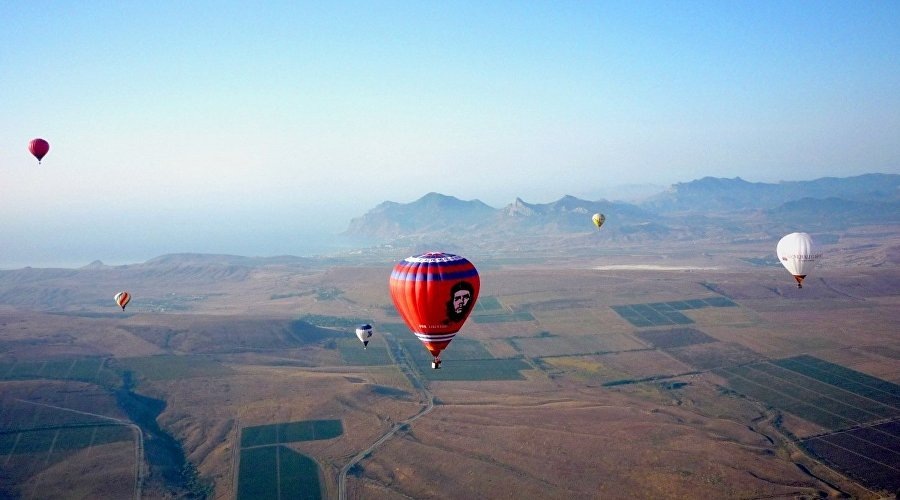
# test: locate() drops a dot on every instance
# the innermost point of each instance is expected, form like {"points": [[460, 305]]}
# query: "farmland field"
{"points": [[849, 380], [508, 317], [480, 369], [679, 337], [667, 313], [560, 345], [71, 437], [829, 395], [861, 413], [460, 348], [289, 432], [258, 474], [91, 369], [270, 470], [548, 391], [487, 305], [469, 358], [869, 454], [353, 353], [174, 367], [46, 426], [711, 355]]}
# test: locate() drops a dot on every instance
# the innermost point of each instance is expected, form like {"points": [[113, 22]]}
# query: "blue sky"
{"points": [[242, 128]]}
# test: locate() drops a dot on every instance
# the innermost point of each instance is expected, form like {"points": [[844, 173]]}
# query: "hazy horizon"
{"points": [[254, 129], [127, 240]]}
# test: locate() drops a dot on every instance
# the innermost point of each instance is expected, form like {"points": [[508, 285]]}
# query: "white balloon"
{"points": [[798, 255], [363, 333]]}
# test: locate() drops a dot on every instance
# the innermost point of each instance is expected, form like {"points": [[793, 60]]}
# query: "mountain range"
{"points": [[705, 208]]}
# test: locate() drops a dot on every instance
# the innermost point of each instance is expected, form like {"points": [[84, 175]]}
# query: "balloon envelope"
{"points": [[39, 148], [363, 333], [434, 294], [798, 255], [122, 299], [598, 220]]}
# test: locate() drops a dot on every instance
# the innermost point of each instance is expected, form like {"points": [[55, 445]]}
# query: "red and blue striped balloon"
{"points": [[434, 294]]}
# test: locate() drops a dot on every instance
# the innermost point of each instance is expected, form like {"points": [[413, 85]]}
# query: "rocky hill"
{"points": [[56, 288], [711, 194], [708, 208]]}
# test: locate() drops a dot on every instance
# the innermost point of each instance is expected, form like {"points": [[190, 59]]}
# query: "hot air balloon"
{"points": [[434, 294], [122, 298], [363, 333], [598, 219], [39, 148], [797, 253]]}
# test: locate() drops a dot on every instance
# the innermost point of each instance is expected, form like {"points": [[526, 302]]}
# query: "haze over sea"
{"points": [[262, 129]]}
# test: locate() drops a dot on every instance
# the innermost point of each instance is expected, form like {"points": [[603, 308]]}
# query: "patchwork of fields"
{"points": [[278, 472], [93, 369], [860, 413], [269, 469], [38, 436], [555, 336], [667, 313], [55, 439]]}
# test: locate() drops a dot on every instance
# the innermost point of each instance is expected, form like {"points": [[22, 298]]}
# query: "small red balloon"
{"points": [[39, 148]]}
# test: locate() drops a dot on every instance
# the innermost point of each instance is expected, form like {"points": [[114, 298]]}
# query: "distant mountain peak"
{"points": [[704, 208], [437, 196], [711, 194], [518, 208], [569, 203], [431, 212]]}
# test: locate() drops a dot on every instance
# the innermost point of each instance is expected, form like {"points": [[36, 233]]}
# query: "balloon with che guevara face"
{"points": [[434, 294]]}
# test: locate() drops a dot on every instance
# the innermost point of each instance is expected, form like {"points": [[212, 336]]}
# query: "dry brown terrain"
{"points": [[216, 344]]}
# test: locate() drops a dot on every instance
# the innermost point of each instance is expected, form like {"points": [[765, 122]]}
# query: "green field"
{"points": [[868, 454], [487, 305], [479, 369], [503, 317], [270, 470], [468, 358], [92, 370], [459, 348], [544, 346], [277, 472], [290, 432], [712, 355], [257, 474], [643, 315], [863, 408], [678, 337], [353, 353], [850, 380], [169, 367], [667, 313], [333, 321], [776, 397], [18, 416], [61, 438], [829, 395]]}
